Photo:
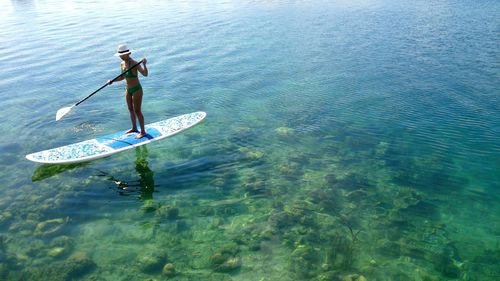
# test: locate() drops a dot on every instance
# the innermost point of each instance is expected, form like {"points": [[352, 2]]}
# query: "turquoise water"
{"points": [[345, 140]]}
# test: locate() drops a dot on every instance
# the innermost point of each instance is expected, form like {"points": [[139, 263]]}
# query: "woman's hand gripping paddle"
{"points": [[65, 110]]}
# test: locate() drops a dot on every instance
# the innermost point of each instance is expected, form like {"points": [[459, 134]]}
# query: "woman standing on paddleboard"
{"points": [[133, 90]]}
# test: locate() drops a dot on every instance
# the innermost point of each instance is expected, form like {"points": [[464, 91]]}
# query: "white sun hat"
{"points": [[123, 50]]}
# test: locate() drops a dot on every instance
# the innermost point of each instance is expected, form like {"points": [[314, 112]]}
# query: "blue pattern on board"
{"points": [[120, 139]]}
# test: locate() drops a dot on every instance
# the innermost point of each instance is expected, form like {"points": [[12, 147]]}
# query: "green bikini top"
{"points": [[129, 74]]}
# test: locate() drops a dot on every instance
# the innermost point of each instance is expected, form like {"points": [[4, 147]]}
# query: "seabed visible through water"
{"points": [[345, 141]]}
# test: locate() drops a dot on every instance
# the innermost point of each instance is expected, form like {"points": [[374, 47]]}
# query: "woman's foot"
{"points": [[133, 130], [142, 134]]}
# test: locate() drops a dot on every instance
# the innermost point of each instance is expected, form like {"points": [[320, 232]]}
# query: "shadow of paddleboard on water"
{"points": [[143, 187], [46, 171]]}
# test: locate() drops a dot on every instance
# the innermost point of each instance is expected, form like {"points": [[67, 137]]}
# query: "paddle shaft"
{"points": [[107, 83]]}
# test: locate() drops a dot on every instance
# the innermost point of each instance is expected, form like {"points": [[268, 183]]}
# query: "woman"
{"points": [[133, 90]]}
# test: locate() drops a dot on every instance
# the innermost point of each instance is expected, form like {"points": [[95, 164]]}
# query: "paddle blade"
{"points": [[63, 111]]}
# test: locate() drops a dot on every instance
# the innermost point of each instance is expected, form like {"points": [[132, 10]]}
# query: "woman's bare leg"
{"points": [[130, 106], [137, 103]]}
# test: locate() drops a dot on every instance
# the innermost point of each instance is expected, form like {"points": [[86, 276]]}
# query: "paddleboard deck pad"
{"points": [[110, 144]]}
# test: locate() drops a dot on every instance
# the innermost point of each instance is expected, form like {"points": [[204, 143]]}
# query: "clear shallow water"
{"points": [[342, 139]]}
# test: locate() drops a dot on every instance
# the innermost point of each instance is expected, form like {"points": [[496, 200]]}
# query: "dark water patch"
{"points": [[255, 185], [481, 195], [304, 262], [289, 170], [225, 207], [389, 248], [422, 167], [485, 264], [425, 174], [422, 210], [10, 148], [353, 181], [243, 137], [488, 257], [10, 153], [401, 223], [181, 175], [328, 200], [71, 203], [447, 267], [293, 215]]}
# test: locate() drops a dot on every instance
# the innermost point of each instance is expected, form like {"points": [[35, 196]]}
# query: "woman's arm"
{"points": [[119, 78], [142, 68]]}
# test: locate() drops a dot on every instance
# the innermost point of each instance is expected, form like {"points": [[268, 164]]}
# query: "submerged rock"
{"points": [[284, 131], [169, 212], [36, 248], [290, 169], [56, 252], [5, 216], [221, 262], [331, 179], [4, 271], [381, 148], [60, 246], [72, 268], [50, 227], [63, 241], [252, 154], [304, 262], [243, 133], [354, 277], [280, 221], [447, 266], [169, 270], [79, 263], [255, 188], [149, 206], [151, 262], [327, 199], [23, 227], [230, 265], [329, 276], [225, 260], [217, 259]]}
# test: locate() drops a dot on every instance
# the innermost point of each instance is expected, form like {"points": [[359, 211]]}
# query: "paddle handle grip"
{"points": [[123, 73]]}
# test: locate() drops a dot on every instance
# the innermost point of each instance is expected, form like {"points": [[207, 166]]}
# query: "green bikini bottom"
{"points": [[134, 89]]}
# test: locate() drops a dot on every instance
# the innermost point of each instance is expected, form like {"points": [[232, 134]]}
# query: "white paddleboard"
{"points": [[110, 144]]}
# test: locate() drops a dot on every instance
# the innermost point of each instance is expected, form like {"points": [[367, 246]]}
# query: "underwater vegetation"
{"points": [[342, 210]]}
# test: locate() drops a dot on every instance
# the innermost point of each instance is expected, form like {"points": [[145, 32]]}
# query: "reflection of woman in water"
{"points": [[146, 181]]}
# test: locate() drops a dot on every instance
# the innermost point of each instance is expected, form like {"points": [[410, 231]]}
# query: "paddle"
{"points": [[65, 110]]}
